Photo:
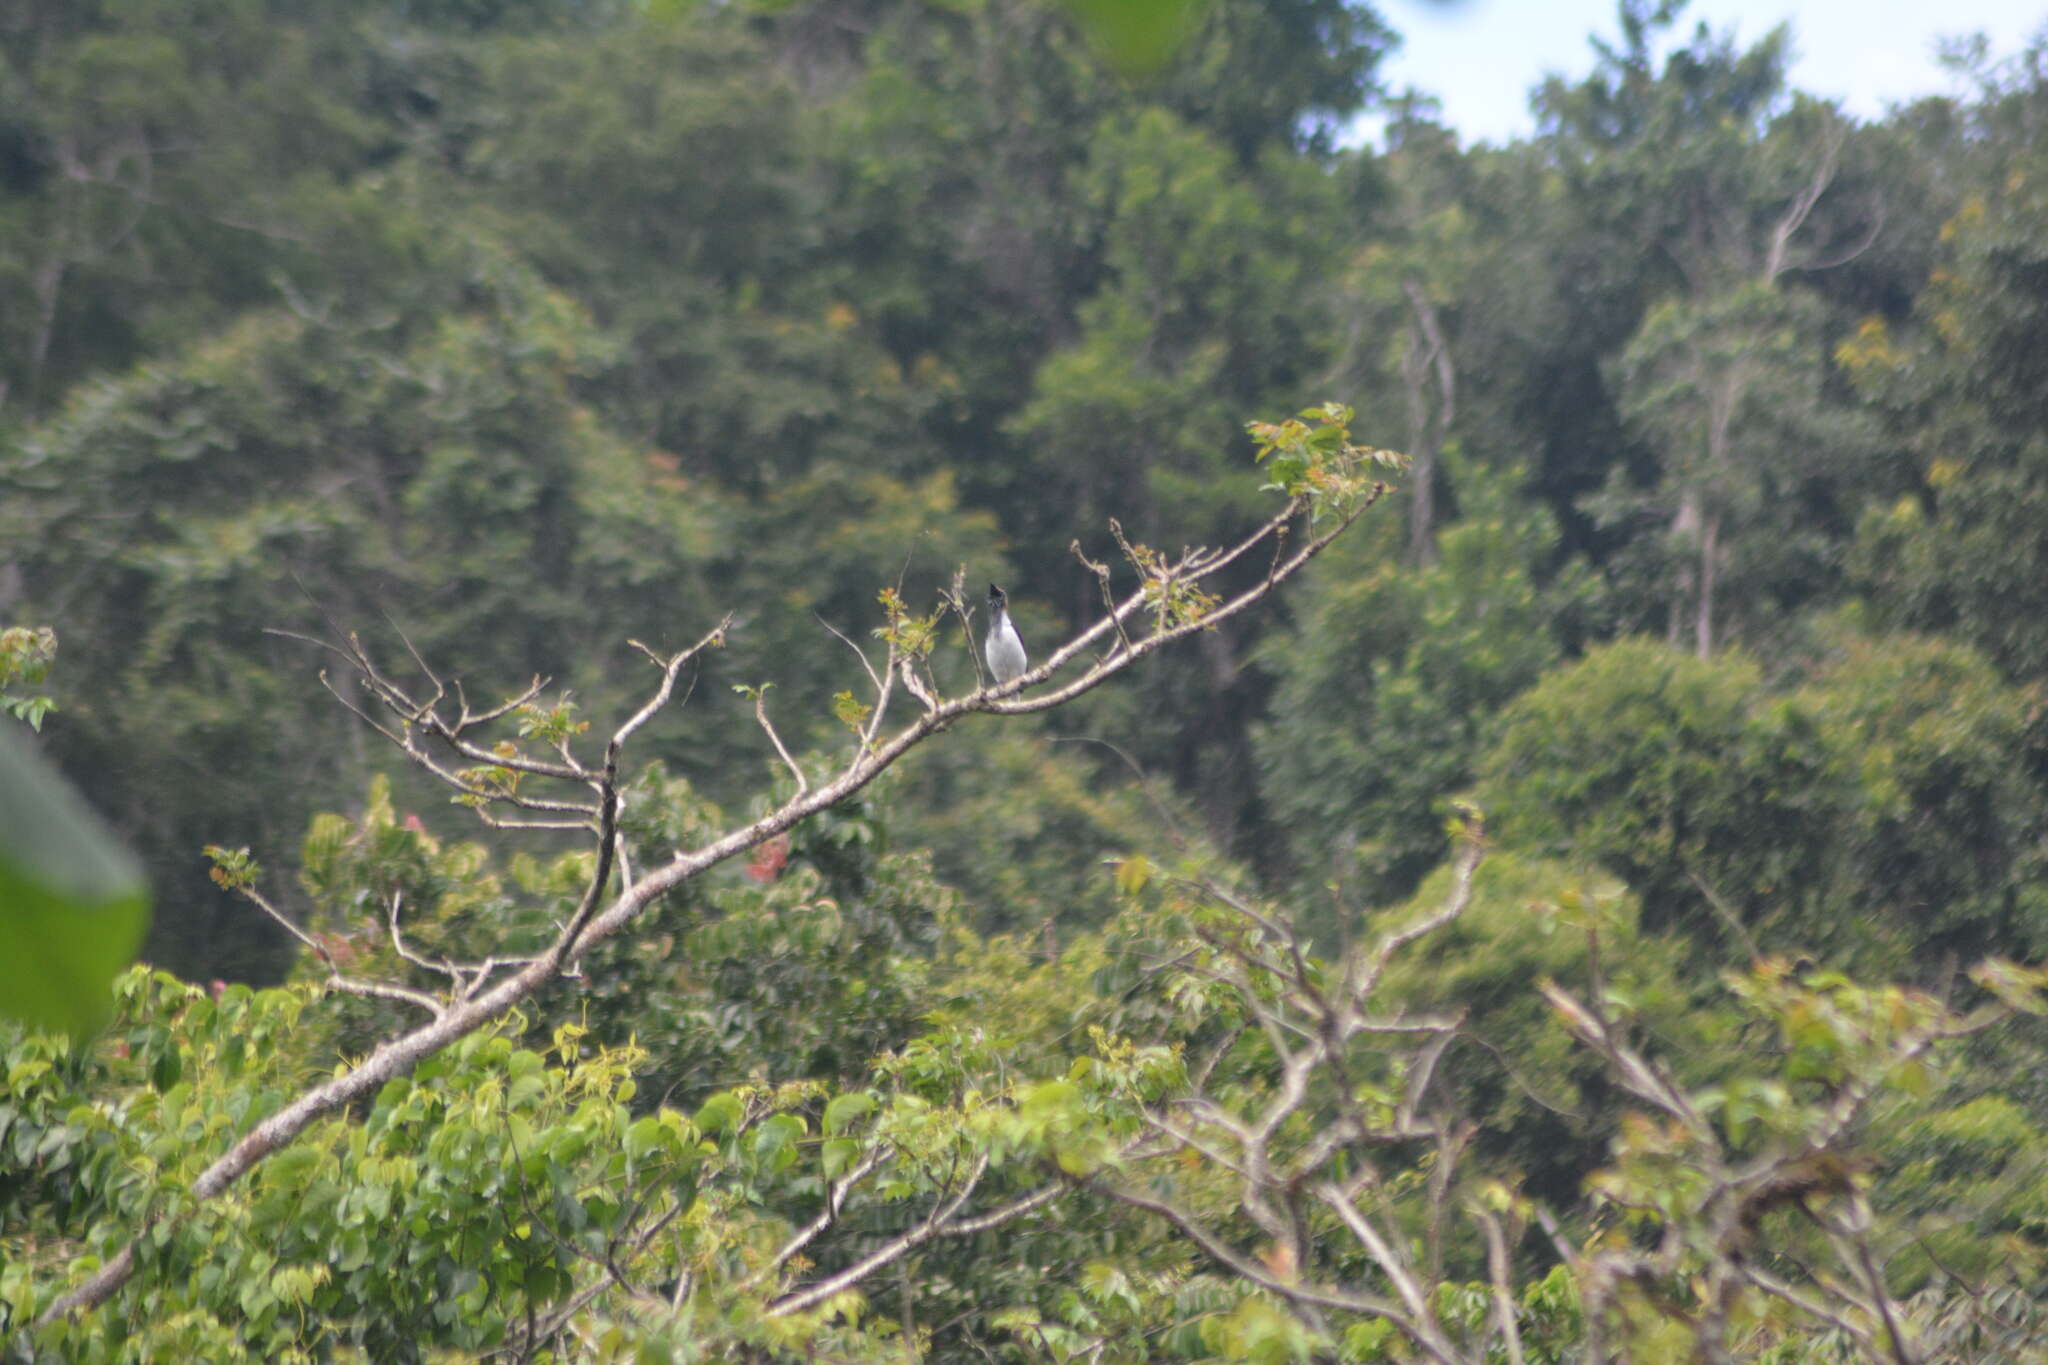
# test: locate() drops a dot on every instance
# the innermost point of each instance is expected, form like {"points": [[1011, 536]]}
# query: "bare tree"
{"points": [[434, 725], [1725, 360], [1319, 1145], [1430, 379]]}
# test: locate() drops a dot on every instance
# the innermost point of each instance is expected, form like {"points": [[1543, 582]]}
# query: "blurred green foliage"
{"points": [[513, 329], [1877, 814], [73, 902]]}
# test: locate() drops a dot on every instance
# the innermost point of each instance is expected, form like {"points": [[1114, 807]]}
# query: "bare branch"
{"points": [[810, 1296], [336, 978], [358, 712], [566, 946], [1503, 1295], [398, 945], [471, 719], [1195, 1144], [1802, 205], [881, 709], [1863, 243], [497, 822], [835, 1198], [285, 922], [593, 920], [384, 990], [858, 652], [1727, 914], [1394, 1266], [955, 598], [1315, 1296], [712, 639], [803, 784], [1806, 1303], [1855, 1235], [995, 1218], [1117, 662], [1646, 1080], [1101, 572], [1462, 871]]}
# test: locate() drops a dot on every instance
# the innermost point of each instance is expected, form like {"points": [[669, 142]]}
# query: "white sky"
{"points": [[1481, 57]]}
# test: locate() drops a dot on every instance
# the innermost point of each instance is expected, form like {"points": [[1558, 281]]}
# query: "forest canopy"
{"points": [[1524, 840]]}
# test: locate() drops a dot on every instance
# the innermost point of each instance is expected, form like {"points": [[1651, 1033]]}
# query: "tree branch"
{"points": [[591, 924], [812, 1295]]}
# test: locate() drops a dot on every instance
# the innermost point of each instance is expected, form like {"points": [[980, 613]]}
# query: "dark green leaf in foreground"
{"points": [[1135, 36], [72, 902]]}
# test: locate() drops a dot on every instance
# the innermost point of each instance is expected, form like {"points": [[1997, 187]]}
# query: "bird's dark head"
{"points": [[997, 599]]}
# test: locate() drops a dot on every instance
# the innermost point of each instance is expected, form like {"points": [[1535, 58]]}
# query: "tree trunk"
{"points": [[1687, 521], [1703, 614], [1725, 398], [1426, 363], [1421, 454]]}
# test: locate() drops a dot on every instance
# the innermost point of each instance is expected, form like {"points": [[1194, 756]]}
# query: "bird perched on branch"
{"points": [[1003, 650]]}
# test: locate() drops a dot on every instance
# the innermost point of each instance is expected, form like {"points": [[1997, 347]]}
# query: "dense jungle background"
{"points": [[503, 332]]}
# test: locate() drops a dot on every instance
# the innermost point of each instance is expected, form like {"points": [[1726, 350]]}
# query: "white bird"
{"points": [[1003, 650]]}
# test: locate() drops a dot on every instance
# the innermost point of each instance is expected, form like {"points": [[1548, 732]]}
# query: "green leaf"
{"points": [[1132, 874], [838, 1156], [845, 1110], [722, 1111], [775, 1143], [1049, 1098], [1135, 36], [73, 904], [643, 1137]]}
